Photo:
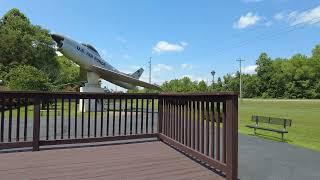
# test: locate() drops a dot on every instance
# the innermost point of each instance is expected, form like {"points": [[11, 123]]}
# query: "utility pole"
{"points": [[240, 62], [150, 70]]}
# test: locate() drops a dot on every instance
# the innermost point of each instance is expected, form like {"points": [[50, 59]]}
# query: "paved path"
{"points": [[261, 159]]}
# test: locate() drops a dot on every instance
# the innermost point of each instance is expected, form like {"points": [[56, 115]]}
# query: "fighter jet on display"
{"points": [[89, 60]]}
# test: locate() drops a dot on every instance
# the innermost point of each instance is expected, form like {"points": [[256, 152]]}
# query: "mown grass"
{"points": [[305, 114]]}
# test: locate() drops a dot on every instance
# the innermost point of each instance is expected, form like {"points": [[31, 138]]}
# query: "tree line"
{"points": [[294, 77]]}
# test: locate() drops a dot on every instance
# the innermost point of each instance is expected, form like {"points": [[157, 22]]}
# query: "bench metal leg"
{"points": [[282, 136], [254, 131]]}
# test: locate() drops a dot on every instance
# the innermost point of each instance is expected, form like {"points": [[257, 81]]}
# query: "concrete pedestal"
{"points": [[92, 86]]}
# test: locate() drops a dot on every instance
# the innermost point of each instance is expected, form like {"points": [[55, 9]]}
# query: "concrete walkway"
{"points": [[261, 159]]}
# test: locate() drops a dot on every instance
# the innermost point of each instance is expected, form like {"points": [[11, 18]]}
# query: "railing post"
{"points": [[36, 125], [160, 114], [232, 138]]}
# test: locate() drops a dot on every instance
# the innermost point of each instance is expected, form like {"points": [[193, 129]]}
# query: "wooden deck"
{"points": [[148, 160]]}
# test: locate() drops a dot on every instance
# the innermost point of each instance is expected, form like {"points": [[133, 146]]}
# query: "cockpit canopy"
{"points": [[91, 48]]}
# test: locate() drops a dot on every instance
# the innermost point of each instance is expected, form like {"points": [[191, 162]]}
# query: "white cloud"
{"points": [[249, 69], [279, 16], [126, 56], [186, 66], [310, 17], [184, 43], [122, 39], [164, 46], [268, 23], [162, 68], [305, 17], [247, 20]]}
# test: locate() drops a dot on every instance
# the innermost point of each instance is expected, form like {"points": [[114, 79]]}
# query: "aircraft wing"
{"points": [[111, 75]]}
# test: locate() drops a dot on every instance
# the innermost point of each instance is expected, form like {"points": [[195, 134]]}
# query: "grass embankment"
{"points": [[305, 115]]}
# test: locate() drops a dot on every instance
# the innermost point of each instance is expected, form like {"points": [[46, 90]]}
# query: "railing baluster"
{"points": [[55, 118], [18, 121], [198, 126], [101, 117], [171, 115], [167, 115], [147, 116], [10, 120], [173, 118], [218, 133], [125, 115], [176, 120], [2, 119], [212, 129], [25, 119], [202, 126], [114, 117], [131, 115], [76, 117], [69, 118], [208, 130], [47, 122], [89, 116], [179, 119], [120, 110], [142, 111], [183, 122], [82, 118], [194, 125], [136, 127], [152, 115], [224, 106], [189, 119], [108, 115], [36, 125], [62, 118], [95, 117]]}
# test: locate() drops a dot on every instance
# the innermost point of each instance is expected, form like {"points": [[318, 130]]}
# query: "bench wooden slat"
{"points": [[267, 129]]}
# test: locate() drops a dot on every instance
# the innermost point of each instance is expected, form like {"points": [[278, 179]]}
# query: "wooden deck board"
{"points": [[149, 160]]}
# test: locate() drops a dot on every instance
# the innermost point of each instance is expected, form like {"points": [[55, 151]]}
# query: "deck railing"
{"points": [[203, 126]]}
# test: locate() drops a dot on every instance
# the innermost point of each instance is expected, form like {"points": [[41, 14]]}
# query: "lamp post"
{"points": [[213, 73]]}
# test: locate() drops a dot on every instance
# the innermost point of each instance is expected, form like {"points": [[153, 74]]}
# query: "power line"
{"points": [[240, 63], [275, 34], [150, 70]]}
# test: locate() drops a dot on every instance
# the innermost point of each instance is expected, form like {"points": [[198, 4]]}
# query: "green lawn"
{"points": [[305, 115]]}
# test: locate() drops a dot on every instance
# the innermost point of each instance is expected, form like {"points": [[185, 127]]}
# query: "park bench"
{"points": [[270, 120]]}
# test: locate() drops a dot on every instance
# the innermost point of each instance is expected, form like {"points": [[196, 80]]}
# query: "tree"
{"points": [[26, 77], [69, 72], [202, 86], [22, 43]]}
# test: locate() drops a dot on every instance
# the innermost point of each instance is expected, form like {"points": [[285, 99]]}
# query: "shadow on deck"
{"points": [[148, 160]]}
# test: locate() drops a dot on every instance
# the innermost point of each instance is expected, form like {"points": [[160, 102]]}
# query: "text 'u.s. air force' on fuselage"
{"points": [[89, 60]]}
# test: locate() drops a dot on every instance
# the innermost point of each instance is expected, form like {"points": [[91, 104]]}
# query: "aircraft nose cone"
{"points": [[58, 39]]}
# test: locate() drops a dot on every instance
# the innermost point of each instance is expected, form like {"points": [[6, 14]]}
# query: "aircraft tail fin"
{"points": [[137, 74]]}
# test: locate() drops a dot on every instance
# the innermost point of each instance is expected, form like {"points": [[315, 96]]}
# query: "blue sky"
{"points": [[184, 38]]}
